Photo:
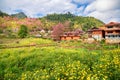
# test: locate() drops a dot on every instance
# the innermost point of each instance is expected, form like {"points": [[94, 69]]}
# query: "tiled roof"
{"points": [[113, 24]]}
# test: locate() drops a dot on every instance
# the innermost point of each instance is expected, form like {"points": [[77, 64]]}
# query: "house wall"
{"points": [[76, 37], [112, 40], [97, 32], [97, 35], [70, 37], [63, 38]]}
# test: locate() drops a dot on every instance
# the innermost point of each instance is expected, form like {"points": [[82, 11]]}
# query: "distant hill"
{"points": [[19, 15], [3, 14]]}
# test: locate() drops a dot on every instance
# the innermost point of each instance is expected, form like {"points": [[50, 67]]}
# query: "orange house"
{"points": [[75, 35], [69, 37]]}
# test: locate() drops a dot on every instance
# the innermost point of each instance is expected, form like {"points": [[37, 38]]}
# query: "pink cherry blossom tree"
{"points": [[57, 31]]}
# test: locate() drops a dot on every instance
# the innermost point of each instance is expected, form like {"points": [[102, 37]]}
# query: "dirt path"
{"points": [[38, 45], [48, 45]]}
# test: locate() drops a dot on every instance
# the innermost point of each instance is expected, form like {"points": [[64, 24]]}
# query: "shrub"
{"points": [[1, 31], [23, 32]]}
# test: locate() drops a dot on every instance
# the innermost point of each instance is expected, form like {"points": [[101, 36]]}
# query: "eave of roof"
{"points": [[112, 24]]}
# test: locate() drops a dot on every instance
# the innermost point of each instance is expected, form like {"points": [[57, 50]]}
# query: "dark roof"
{"points": [[73, 33], [94, 29]]}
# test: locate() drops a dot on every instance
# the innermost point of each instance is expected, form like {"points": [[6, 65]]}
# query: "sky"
{"points": [[105, 10]]}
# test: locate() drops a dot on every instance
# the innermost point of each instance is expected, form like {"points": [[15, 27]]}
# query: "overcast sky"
{"points": [[105, 10]]}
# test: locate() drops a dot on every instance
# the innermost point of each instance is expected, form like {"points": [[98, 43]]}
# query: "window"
{"points": [[64, 37], [72, 37], [110, 27], [108, 36], [109, 32], [113, 35], [118, 36], [118, 31]]}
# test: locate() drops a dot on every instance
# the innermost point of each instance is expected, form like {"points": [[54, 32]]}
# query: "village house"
{"points": [[110, 32], [73, 35], [96, 33]]}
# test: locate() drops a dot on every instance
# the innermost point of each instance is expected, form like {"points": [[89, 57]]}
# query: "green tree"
{"points": [[1, 31], [23, 31]]}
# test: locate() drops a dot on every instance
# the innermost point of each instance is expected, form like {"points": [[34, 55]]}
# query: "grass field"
{"points": [[66, 60], [6, 43]]}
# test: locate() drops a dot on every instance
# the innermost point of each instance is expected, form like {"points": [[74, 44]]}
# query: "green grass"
{"points": [[23, 42], [60, 62]]}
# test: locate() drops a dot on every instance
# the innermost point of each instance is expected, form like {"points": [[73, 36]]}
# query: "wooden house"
{"points": [[96, 33], [110, 32], [73, 35]]}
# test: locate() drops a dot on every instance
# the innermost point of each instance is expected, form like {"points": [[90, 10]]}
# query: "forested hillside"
{"points": [[81, 22]]}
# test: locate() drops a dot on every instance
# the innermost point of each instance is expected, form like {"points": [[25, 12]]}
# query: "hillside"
{"points": [[81, 22], [11, 24]]}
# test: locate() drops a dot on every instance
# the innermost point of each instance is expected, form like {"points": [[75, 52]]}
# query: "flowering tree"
{"points": [[68, 26], [57, 31]]}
